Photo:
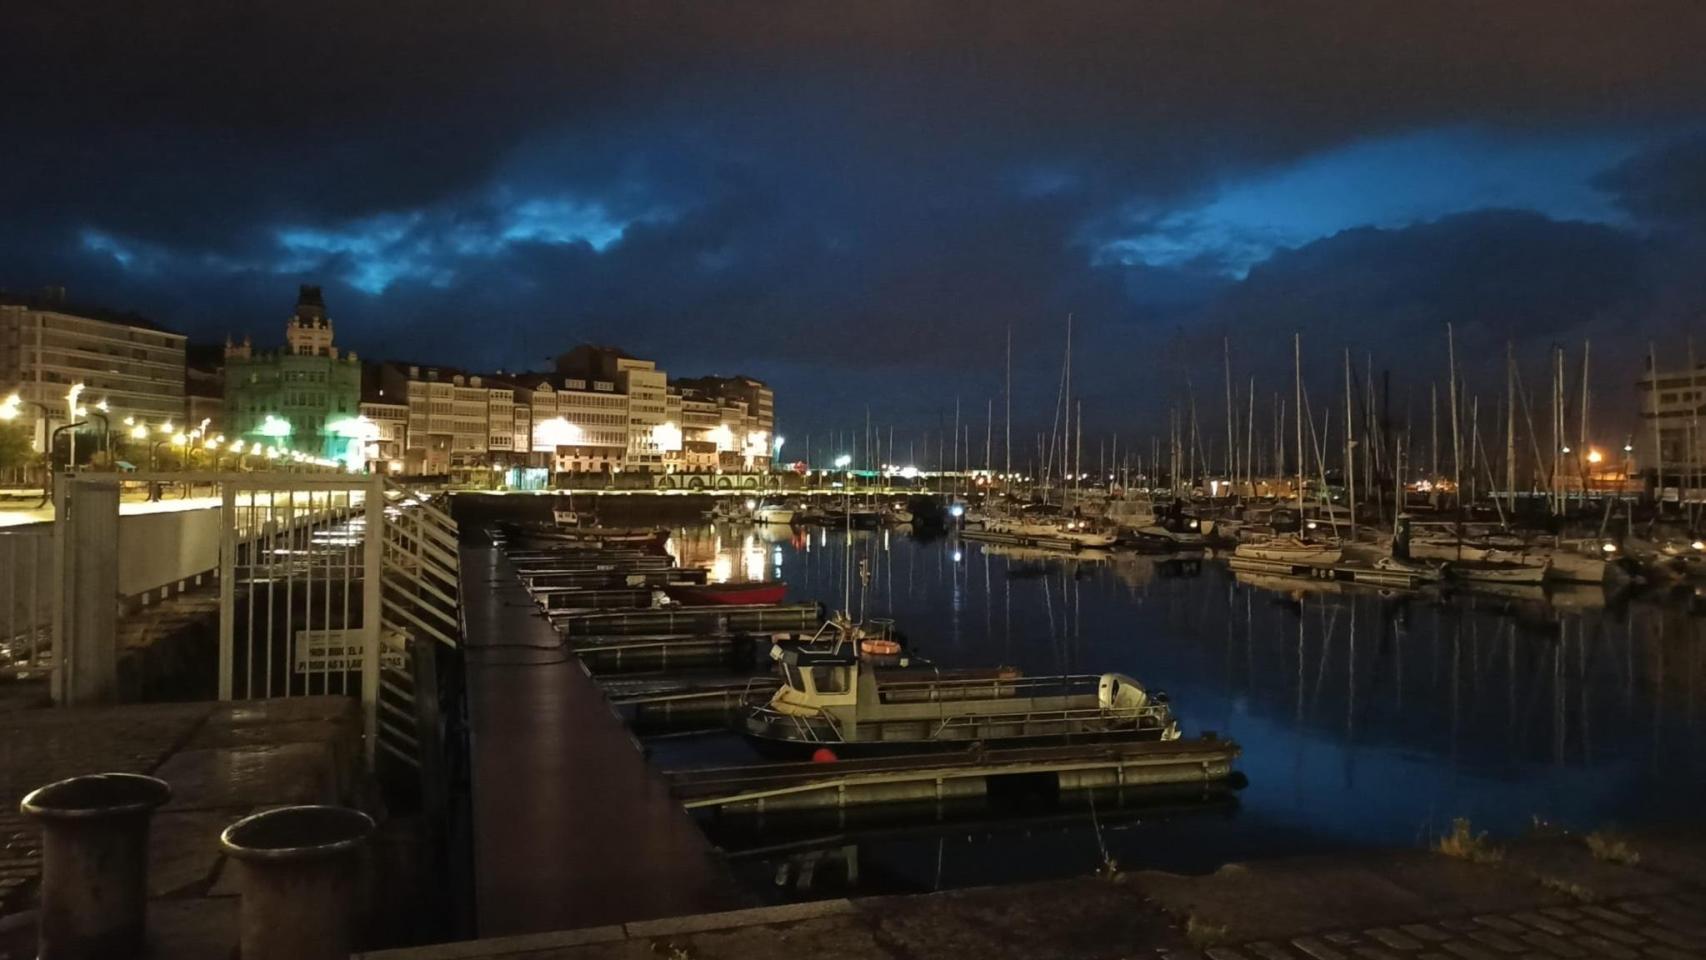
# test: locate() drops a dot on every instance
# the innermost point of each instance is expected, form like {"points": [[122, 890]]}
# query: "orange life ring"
{"points": [[878, 647]]}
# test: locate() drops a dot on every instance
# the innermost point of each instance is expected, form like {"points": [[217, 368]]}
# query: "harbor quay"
{"points": [[1540, 897], [619, 728]]}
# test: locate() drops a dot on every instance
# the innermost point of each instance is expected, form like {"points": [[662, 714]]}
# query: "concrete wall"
{"points": [[158, 549]]}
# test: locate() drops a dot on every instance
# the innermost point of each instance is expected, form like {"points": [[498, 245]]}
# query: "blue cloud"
{"points": [[1390, 181]]}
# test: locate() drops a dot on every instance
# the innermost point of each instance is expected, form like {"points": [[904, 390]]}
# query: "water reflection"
{"points": [[1366, 716]]}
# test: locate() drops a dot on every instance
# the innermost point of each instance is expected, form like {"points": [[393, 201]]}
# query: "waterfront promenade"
{"points": [[1542, 897], [223, 761]]}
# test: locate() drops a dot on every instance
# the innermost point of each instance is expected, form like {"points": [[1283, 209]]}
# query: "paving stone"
{"points": [[1548, 924], [1612, 916], [183, 852], [1269, 951], [1394, 939], [1456, 924], [1609, 932], [242, 777], [1561, 913], [1636, 907], [1497, 941], [1317, 949], [1374, 953], [1341, 938], [1224, 953], [1468, 951], [1665, 935], [1602, 947], [1662, 952], [1552, 944], [1422, 931], [1501, 924]]}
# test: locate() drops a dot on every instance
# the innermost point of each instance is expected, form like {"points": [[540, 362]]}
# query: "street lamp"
{"points": [[72, 412]]}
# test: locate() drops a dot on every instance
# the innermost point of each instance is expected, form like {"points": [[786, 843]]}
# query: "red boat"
{"points": [[703, 594]]}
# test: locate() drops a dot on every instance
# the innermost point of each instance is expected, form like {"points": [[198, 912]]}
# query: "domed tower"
{"points": [[309, 332]]}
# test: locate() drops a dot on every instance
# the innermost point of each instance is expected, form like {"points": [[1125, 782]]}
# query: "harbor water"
{"points": [[1366, 718]]}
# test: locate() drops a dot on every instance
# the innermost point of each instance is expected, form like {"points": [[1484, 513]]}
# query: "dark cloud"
{"points": [[1664, 186], [871, 191]]}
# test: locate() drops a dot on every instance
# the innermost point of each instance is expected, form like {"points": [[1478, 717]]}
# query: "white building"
{"points": [[1674, 400]]}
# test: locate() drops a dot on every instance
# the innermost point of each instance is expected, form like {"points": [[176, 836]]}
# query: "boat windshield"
{"points": [[829, 679]]}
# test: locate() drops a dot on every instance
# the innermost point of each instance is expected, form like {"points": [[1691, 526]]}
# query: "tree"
{"points": [[16, 450]]}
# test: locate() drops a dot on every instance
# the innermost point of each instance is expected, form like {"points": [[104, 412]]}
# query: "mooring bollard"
{"points": [[298, 880], [94, 864]]}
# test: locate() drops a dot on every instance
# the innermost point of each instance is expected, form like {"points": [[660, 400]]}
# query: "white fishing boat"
{"points": [[829, 699], [773, 512], [1291, 550]]}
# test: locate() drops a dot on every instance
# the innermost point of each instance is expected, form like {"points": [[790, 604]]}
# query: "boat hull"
{"points": [[1316, 557], [785, 748]]}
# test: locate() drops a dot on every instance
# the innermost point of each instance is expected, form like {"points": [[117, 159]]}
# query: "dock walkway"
{"points": [[572, 828]]}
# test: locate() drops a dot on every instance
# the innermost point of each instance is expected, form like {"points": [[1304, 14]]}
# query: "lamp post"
{"points": [[51, 440]]}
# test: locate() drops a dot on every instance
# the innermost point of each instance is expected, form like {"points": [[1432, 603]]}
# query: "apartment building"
{"points": [[48, 344]]}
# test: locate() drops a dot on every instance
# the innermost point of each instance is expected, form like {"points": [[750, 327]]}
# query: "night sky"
{"points": [[855, 200]]}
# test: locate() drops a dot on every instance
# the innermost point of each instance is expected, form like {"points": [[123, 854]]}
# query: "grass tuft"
{"points": [[1201, 932], [1464, 844], [1612, 848]]}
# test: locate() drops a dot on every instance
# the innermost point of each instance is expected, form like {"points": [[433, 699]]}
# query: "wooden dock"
{"points": [[720, 618], [659, 651], [771, 787]]}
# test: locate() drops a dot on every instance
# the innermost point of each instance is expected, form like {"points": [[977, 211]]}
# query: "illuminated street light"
{"points": [[166, 428], [1594, 456], [842, 461], [10, 408], [139, 432], [102, 406]]}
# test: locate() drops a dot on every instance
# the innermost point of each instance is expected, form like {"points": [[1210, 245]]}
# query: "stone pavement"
{"points": [[223, 762], [1542, 897]]}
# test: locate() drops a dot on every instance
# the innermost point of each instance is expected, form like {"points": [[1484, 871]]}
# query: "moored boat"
{"points": [[1290, 550], [827, 698], [540, 537], [778, 513]]}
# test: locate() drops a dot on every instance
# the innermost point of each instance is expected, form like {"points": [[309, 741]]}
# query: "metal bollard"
{"points": [[298, 880], [94, 864]]}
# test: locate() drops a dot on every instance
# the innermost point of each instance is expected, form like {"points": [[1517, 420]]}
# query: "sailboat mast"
{"points": [[1009, 400], [1582, 437], [1510, 426], [1066, 430], [1231, 444], [1250, 441], [1456, 431], [1297, 378], [1658, 436], [1350, 451]]}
